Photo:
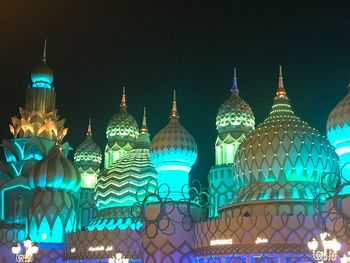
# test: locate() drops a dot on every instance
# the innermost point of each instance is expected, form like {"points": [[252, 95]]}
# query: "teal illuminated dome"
{"points": [[122, 124], [88, 151], [234, 114], [55, 172], [284, 158], [173, 142], [338, 125], [42, 76]]}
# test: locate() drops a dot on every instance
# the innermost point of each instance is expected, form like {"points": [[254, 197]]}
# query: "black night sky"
{"points": [[153, 47]]}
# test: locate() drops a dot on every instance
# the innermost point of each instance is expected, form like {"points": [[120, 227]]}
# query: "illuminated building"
{"points": [[122, 132], [260, 206], [233, 121]]}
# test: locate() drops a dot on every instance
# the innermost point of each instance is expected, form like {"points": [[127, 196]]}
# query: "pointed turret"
{"points": [[144, 128], [89, 131], [123, 101], [234, 88], [280, 91], [174, 107]]}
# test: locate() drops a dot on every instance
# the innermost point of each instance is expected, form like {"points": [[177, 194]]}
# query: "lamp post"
{"points": [[119, 258], [328, 250], [30, 250]]}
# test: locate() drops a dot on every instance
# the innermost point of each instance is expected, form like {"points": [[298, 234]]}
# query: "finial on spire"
{"points": [[234, 87], [280, 91], [144, 128], [123, 103], [44, 51], [89, 130], [174, 107]]}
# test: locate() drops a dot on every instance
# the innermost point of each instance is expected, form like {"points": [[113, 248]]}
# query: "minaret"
{"points": [[122, 132], [234, 121], [39, 116], [173, 152], [88, 159]]}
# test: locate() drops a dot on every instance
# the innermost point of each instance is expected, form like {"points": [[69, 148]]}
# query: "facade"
{"points": [[273, 186]]}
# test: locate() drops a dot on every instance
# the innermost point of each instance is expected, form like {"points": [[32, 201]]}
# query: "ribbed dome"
{"points": [[338, 123], [234, 114], [42, 76], [283, 149], [55, 172], [122, 124], [88, 150], [174, 139]]}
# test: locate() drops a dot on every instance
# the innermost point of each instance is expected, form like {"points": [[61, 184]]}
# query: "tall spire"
{"points": [[44, 51], [89, 130], [174, 108], [280, 91], [234, 87], [123, 103], [144, 128]]}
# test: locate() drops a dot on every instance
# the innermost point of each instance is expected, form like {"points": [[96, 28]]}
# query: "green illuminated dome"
{"points": [[55, 172], [88, 151], [234, 114], [281, 154], [122, 124], [338, 123], [42, 76], [175, 141], [117, 186]]}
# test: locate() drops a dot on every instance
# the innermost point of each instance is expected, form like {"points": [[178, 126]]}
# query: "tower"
{"points": [[234, 121], [117, 186], [88, 159], [173, 152], [122, 132]]}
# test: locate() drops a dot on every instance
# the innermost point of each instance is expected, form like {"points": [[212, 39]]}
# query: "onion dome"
{"points": [[122, 124], [118, 184], [338, 126], [88, 151], [55, 172], [42, 76], [174, 142], [281, 154], [235, 114]]}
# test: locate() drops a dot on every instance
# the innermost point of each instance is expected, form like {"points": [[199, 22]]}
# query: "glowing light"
{"points": [[330, 248], [99, 248], [221, 242], [72, 250], [28, 256], [43, 236], [260, 240]]}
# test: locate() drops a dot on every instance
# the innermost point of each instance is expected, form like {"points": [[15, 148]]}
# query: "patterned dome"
{"points": [[42, 76], [338, 123], [55, 172], [88, 151], [283, 149], [234, 114], [117, 185], [174, 139], [122, 124]]}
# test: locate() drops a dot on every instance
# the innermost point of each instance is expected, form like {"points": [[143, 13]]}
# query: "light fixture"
{"points": [[345, 258], [119, 258], [30, 250], [328, 250]]}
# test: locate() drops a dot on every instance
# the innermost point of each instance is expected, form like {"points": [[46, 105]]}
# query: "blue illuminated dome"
{"points": [[42, 76], [284, 158]]}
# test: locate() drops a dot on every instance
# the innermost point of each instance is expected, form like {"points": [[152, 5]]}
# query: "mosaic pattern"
{"points": [[123, 125], [284, 148], [339, 116], [235, 114]]}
